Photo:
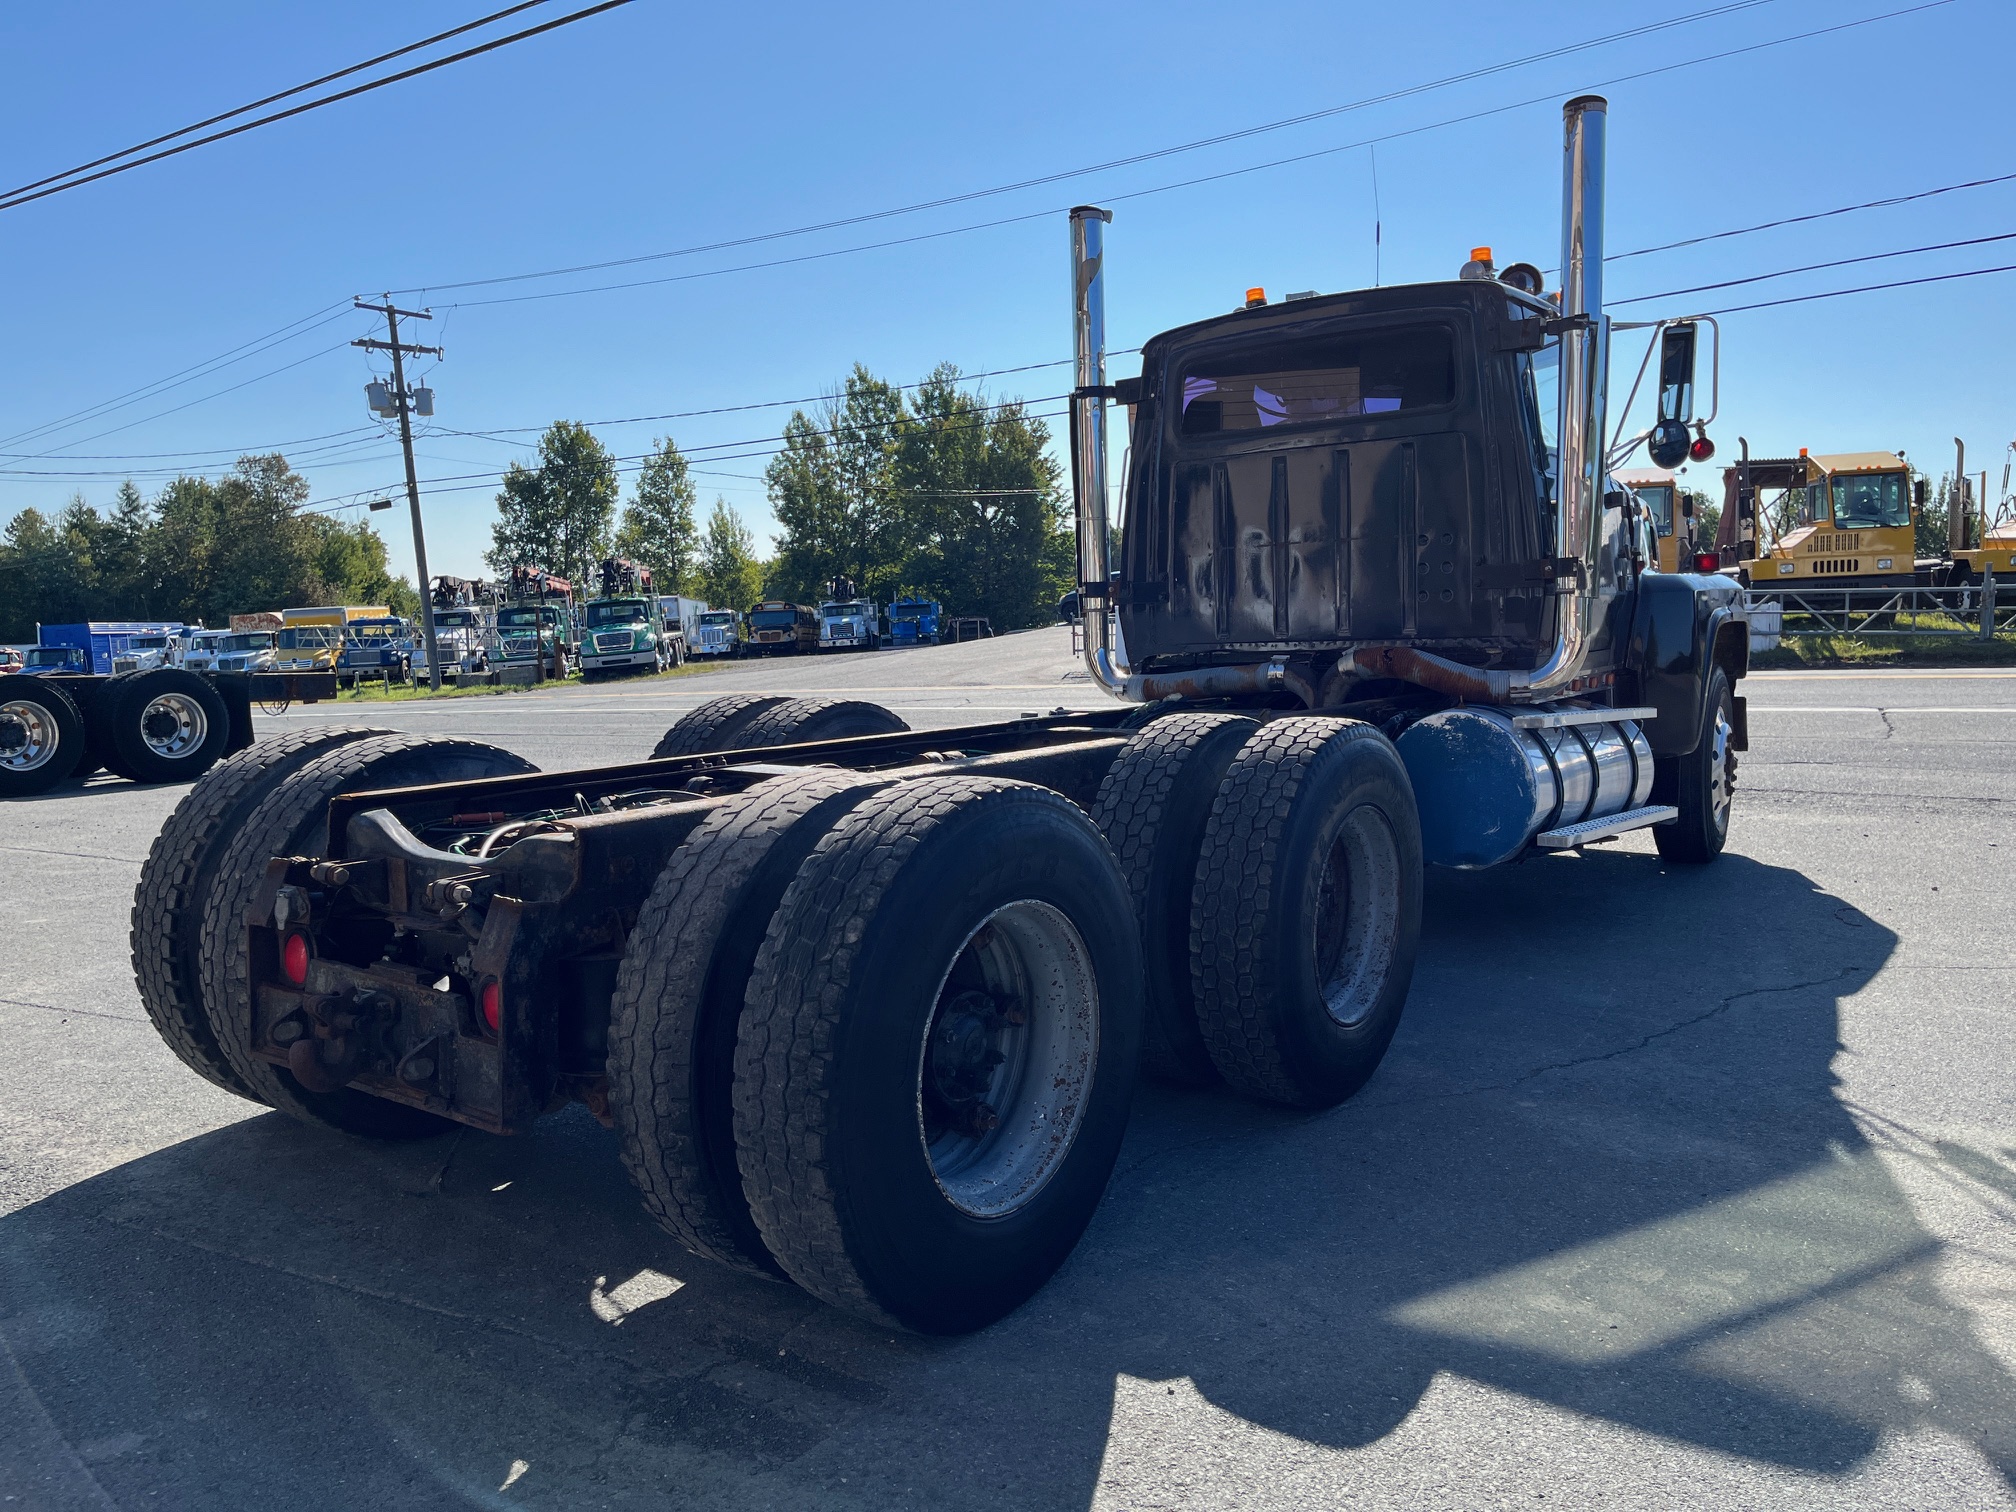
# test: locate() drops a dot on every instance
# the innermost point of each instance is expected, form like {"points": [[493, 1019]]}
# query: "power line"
{"points": [[189, 374], [1839, 262], [205, 398], [1208, 178], [341, 73], [1797, 220], [968, 196], [16, 198], [1901, 283], [207, 451], [497, 432]]}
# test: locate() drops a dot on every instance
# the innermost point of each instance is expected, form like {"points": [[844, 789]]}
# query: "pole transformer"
{"points": [[402, 400]]}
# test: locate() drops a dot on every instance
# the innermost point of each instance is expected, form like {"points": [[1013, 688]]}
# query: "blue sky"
{"points": [[661, 126]]}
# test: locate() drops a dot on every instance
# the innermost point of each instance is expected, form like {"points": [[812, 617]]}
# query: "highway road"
{"points": [[1680, 1187]]}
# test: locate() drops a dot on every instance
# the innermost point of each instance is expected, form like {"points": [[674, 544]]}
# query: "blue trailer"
{"points": [[914, 622], [102, 643]]}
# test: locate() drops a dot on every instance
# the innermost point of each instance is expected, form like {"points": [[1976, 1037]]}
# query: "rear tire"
{"points": [[175, 884], [713, 726], [165, 725], [42, 737], [292, 820], [1701, 784], [1152, 808], [679, 991], [957, 949], [799, 721], [1307, 911]]}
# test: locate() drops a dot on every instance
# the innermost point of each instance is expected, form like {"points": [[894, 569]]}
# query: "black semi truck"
{"points": [[164, 724], [865, 1006]]}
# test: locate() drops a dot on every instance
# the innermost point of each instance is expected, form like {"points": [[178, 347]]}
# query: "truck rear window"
{"points": [[1317, 380]]}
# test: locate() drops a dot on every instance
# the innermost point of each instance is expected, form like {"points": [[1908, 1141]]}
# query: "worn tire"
{"points": [[62, 745], [1700, 784], [713, 726], [168, 904], [1152, 808], [291, 820], [848, 992], [799, 721], [131, 706], [678, 1000], [1298, 998]]}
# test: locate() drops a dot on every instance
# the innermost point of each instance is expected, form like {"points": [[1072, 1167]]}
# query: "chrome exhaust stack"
{"points": [[1088, 446], [1584, 383]]}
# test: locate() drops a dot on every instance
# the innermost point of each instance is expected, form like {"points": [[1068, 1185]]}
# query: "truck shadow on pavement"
{"points": [[1629, 1190]]}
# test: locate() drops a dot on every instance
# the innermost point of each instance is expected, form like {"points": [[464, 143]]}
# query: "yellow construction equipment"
{"points": [[1857, 520]]}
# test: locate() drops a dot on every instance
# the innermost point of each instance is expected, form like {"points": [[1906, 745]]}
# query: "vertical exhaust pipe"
{"points": [[1584, 381], [1088, 443]]}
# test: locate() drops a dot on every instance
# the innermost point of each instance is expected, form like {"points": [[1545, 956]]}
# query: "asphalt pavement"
{"points": [[1680, 1187]]}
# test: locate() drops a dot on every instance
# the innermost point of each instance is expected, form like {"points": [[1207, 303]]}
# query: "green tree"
{"points": [[1707, 515], [833, 492], [351, 561], [657, 528], [557, 515], [987, 520], [201, 550], [727, 573]]}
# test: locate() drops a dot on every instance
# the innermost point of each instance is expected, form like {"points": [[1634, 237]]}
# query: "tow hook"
{"points": [[327, 1042]]}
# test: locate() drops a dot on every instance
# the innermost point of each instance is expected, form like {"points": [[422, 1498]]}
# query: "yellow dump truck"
{"points": [[311, 640], [1857, 524]]}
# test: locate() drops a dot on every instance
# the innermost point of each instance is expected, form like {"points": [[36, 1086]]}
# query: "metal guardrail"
{"points": [[1984, 611]]}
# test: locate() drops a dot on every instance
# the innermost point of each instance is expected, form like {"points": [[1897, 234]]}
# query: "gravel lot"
{"points": [[1679, 1188]]}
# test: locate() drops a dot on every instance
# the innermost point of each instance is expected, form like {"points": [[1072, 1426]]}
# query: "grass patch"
{"points": [[378, 692], [1873, 652]]}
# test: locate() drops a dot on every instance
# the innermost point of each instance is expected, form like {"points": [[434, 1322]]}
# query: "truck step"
{"points": [[1571, 835]]}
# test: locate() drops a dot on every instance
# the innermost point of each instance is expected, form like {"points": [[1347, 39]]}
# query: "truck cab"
{"points": [[378, 646], [230, 651], [848, 625], [719, 632], [1855, 527], [624, 633], [914, 622], [1668, 517], [38, 660]]}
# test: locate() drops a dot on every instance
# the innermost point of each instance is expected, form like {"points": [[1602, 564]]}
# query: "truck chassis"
{"points": [[865, 1005]]}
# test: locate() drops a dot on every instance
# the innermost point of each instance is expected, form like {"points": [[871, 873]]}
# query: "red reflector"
{"points": [[491, 1000], [294, 959], [1707, 561]]}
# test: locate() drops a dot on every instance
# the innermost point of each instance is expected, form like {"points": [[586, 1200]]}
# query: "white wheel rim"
{"points": [[1357, 915], [1031, 1079], [173, 725], [28, 737]]}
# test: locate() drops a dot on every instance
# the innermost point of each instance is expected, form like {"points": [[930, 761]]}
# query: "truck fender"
{"points": [[1681, 629]]}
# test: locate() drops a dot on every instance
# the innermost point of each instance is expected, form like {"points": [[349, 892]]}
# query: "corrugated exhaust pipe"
{"points": [[1584, 381]]}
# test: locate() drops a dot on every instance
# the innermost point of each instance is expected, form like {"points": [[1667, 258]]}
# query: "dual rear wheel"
{"points": [[879, 1037]]}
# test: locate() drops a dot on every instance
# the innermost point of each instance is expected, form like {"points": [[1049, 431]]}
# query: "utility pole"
{"points": [[403, 401]]}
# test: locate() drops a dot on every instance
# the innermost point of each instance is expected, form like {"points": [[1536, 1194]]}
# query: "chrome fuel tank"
{"points": [[1486, 781]]}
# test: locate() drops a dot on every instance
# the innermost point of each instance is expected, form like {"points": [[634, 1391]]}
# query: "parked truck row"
{"points": [[865, 1006]]}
